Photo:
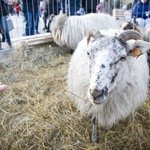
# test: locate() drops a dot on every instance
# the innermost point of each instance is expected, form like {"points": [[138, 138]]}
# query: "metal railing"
{"points": [[46, 8]]}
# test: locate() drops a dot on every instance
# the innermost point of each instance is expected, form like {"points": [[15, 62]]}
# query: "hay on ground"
{"points": [[36, 114]]}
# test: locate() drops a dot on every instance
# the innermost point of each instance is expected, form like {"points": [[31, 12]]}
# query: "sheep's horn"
{"points": [[127, 25], [92, 33], [130, 34]]}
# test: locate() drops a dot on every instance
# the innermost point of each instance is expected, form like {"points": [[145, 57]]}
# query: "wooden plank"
{"points": [[34, 39]]}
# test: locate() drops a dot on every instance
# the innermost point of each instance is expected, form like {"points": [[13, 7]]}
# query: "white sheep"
{"points": [[147, 33], [108, 77], [69, 30]]}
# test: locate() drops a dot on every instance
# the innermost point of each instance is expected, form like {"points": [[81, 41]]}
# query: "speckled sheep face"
{"points": [[107, 56]]}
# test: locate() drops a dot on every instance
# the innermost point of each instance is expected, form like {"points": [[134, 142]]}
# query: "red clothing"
{"points": [[17, 8]]}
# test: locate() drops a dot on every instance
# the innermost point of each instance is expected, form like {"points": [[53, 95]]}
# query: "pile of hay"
{"points": [[36, 114]]}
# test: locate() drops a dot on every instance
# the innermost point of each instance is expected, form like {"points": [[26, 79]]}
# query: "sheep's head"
{"points": [[130, 26], [127, 25], [57, 22], [108, 58]]}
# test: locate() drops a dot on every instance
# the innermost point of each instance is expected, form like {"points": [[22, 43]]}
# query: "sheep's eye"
{"points": [[88, 53], [123, 58]]}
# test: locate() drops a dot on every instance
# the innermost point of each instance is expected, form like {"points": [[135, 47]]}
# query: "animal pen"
{"points": [[35, 112]]}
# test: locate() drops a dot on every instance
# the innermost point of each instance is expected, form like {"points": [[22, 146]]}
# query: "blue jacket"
{"points": [[139, 10]]}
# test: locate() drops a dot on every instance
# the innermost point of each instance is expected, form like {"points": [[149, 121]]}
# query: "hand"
{"points": [[3, 87]]}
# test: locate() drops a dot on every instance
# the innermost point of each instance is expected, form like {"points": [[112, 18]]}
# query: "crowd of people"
{"points": [[31, 10]]}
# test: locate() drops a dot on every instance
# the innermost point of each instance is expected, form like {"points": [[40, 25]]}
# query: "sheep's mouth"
{"points": [[99, 99], [98, 96]]}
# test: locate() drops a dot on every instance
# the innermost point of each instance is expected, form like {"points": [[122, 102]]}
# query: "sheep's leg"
{"points": [[94, 137]]}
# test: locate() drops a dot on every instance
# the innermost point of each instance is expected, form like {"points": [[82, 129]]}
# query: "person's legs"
{"points": [[141, 22], [29, 23], [2, 33], [26, 20], [33, 22], [5, 29], [37, 15], [45, 17]]}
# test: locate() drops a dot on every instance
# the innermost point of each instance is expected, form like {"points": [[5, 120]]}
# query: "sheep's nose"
{"points": [[95, 93], [99, 93]]}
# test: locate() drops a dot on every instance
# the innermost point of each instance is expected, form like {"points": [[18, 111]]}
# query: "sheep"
{"points": [[129, 25], [147, 33], [108, 77], [69, 30]]}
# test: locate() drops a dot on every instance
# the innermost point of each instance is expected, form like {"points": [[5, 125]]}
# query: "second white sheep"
{"points": [[69, 30]]}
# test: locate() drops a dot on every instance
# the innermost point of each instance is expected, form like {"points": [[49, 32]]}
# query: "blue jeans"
{"points": [[31, 20], [4, 25]]}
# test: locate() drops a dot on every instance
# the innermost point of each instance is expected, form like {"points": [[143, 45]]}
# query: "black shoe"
{"points": [[37, 32], [44, 28]]}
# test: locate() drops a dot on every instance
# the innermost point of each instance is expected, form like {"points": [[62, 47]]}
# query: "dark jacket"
{"points": [[139, 10], [3, 8], [30, 5]]}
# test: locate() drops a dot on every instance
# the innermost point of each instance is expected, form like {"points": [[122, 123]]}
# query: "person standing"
{"points": [[3, 22], [45, 13], [50, 7], [141, 12], [30, 8], [37, 21]]}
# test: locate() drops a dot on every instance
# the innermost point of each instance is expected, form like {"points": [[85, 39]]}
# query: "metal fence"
{"points": [[20, 10]]}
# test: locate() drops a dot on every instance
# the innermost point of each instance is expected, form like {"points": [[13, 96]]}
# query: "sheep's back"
{"points": [[76, 27]]}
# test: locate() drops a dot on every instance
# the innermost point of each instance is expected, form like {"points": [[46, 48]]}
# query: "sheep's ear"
{"points": [[91, 34], [137, 47]]}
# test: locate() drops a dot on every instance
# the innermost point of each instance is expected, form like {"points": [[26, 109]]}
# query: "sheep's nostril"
{"points": [[95, 93], [99, 93]]}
